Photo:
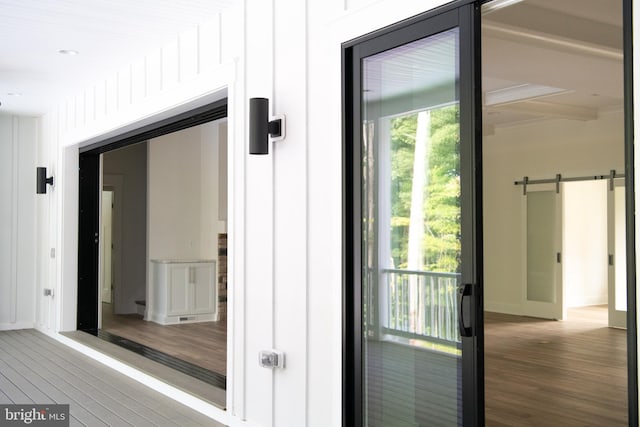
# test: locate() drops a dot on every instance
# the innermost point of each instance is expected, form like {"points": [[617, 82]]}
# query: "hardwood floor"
{"points": [[203, 344], [555, 373]]}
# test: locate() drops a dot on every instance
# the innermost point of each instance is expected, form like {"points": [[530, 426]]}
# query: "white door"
{"points": [[617, 256], [107, 245], [542, 238]]}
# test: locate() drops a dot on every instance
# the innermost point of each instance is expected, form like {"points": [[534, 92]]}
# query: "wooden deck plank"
{"points": [[97, 395], [23, 365], [167, 411], [34, 393], [12, 391], [129, 391], [48, 380], [4, 399], [111, 400]]}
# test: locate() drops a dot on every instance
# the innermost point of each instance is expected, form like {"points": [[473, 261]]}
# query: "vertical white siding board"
{"points": [[6, 174], [124, 87], [290, 217], [15, 159], [153, 71], [210, 45], [170, 65], [100, 90], [90, 105], [111, 95], [26, 243], [188, 51], [259, 219], [138, 81]]}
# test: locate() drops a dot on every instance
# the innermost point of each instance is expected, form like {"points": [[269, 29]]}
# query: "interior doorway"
{"points": [[553, 110], [107, 246], [158, 198]]}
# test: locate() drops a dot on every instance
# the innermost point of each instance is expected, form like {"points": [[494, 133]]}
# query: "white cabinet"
{"points": [[182, 292]]}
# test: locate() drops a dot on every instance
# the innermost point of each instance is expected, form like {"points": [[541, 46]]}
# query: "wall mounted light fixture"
{"points": [[42, 180], [261, 128]]}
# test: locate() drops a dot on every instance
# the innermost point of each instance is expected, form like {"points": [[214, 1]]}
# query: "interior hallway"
{"points": [[555, 373]]}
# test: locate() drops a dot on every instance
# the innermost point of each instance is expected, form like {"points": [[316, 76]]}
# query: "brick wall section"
{"points": [[222, 276]]}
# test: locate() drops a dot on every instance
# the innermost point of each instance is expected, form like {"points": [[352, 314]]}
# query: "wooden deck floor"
{"points": [[35, 368], [548, 373]]}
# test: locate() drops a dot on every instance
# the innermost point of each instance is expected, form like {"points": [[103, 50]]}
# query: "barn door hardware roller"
{"points": [[559, 178]]}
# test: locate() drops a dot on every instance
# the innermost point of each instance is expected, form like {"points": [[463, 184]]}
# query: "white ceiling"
{"points": [[573, 45], [107, 33]]}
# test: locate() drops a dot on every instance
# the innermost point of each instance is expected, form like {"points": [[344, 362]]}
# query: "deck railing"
{"points": [[420, 304]]}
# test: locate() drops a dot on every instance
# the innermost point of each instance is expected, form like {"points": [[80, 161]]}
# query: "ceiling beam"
{"points": [[521, 35], [548, 109]]}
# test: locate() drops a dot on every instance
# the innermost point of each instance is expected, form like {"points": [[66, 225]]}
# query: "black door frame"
{"points": [[629, 170], [352, 296], [464, 14], [89, 204]]}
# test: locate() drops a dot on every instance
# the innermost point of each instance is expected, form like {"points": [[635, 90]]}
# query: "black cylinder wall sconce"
{"points": [[42, 180], [260, 128]]}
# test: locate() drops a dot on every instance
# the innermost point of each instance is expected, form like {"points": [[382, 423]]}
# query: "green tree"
{"points": [[441, 248]]}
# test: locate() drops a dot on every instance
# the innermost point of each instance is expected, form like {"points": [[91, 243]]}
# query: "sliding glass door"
{"points": [[413, 330]]}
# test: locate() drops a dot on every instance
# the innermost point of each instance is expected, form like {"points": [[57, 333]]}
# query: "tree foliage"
{"points": [[441, 242]]}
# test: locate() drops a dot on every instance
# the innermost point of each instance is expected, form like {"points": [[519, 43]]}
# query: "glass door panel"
{"points": [[543, 253], [617, 256], [411, 233]]}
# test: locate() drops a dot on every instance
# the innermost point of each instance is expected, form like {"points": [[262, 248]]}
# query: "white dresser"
{"points": [[182, 291]]}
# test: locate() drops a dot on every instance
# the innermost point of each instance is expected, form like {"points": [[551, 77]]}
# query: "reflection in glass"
{"points": [[620, 249], [411, 234]]}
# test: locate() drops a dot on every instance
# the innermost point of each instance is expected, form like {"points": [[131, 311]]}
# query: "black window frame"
{"points": [[464, 14]]}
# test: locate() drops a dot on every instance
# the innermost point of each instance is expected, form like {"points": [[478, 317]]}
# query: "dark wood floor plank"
{"points": [[175, 378], [555, 373], [202, 343]]}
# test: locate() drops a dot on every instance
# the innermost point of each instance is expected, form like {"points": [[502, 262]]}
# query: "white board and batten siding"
{"points": [[284, 209]]}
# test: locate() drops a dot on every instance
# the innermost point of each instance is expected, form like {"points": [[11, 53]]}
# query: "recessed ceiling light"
{"points": [[14, 94], [68, 52]]}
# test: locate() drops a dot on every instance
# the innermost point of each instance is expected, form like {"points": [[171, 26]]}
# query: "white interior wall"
{"points": [[570, 148], [183, 186], [174, 190], [18, 140], [223, 171], [213, 194], [129, 163], [584, 242]]}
